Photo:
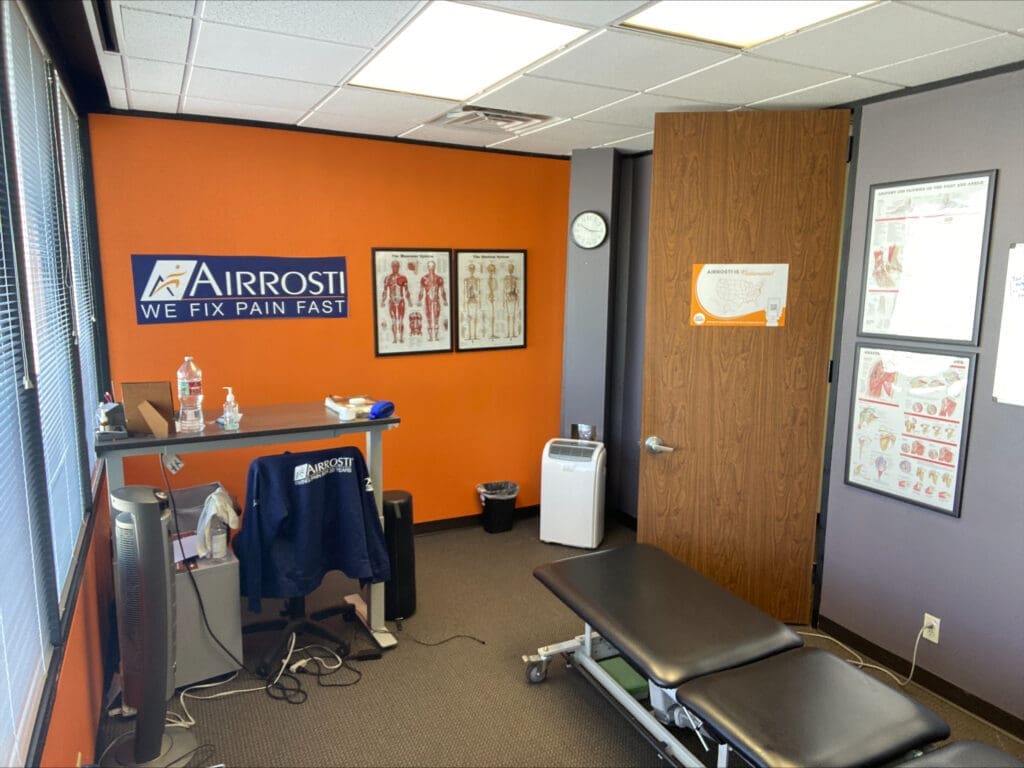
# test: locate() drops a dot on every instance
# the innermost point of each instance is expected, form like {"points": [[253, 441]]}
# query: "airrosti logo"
{"points": [[307, 473], [172, 289], [168, 280]]}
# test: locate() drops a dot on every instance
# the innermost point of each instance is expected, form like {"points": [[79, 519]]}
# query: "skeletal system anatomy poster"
{"points": [[925, 257], [908, 425], [739, 294]]}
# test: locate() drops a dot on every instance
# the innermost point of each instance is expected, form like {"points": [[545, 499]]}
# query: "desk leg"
{"points": [[371, 612]]}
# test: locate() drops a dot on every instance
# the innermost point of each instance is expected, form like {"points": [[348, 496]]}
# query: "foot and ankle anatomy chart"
{"points": [[926, 249], [908, 424]]}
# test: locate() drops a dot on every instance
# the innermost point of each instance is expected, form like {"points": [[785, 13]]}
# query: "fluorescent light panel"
{"points": [[739, 23], [453, 51]]}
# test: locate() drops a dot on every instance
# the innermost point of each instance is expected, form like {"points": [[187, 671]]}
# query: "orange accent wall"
{"points": [[78, 703], [181, 187]]}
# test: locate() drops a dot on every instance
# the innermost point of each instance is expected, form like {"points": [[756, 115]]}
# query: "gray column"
{"points": [[588, 294]]}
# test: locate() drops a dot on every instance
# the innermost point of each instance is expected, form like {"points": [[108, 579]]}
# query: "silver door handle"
{"points": [[653, 444]]}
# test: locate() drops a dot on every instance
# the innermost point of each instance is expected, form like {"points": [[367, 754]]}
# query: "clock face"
{"points": [[589, 229]]}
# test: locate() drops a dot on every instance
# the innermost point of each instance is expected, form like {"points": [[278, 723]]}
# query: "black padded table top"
{"points": [[963, 754], [669, 621], [809, 707]]}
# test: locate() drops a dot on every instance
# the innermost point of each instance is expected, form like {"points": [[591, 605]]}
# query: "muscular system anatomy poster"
{"points": [[739, 294], [908, 424], [925, 256], [412, 310]]}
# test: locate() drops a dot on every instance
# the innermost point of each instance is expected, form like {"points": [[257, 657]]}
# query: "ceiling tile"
{"points": [[215, 108], [264, 53], [448, 135], [172, 7], [538, 95], [155, 76], [153, 102], [118, 98], [351, 100], [877, 36], [642, 143], [563, 138], [572, 11], [974, 57], [371, 125], [364, 23], [639, 110], [112, 69], [154, 35], [744, 79], [362, 110], [213, 84], [630, 60], [998, 14], [841, 91]]}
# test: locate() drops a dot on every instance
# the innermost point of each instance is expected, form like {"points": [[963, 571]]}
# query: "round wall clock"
{"points": [[589, 229]]}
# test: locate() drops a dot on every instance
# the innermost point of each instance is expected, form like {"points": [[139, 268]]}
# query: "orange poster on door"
{"points": [[739, 294]]}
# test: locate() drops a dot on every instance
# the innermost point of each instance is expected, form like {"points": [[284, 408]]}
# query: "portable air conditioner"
{"points": [[572, 492], [144, 595]]}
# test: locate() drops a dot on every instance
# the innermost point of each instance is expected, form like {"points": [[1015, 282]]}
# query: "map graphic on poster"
{"points": [[739, 294], [923, 258], [908, 424]]}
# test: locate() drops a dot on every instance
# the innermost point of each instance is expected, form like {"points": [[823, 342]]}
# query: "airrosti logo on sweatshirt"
{"points": [[308, 473]]}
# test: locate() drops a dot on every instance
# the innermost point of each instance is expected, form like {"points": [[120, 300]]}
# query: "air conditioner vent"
{"points": [[499, 121], [567, 450]]}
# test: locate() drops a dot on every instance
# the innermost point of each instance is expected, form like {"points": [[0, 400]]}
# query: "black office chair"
{"points": [[294, 619], [307, 514]]}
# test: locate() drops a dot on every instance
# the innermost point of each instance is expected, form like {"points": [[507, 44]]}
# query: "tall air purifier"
{"points": [[143, 590]]}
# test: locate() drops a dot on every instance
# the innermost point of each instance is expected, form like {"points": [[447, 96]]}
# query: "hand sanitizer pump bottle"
{"points": [[230, 417]]}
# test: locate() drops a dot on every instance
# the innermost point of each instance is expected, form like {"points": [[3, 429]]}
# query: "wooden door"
{"points": [[743, 407]]}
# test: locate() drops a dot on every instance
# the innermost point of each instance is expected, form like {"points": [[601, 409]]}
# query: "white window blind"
{"points": [[23, 644], [81, 262], [47, 375], [48, 280]]}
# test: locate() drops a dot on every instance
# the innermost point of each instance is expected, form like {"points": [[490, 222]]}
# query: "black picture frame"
{"points": [[412, 305], [491, 299], [925, 255], [910, 414]]}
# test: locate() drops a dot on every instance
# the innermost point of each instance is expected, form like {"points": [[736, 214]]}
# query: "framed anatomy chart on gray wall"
{"points": [[909, 424]]}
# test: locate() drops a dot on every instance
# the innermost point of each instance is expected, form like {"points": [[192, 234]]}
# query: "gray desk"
{"points": [[267, 425]]}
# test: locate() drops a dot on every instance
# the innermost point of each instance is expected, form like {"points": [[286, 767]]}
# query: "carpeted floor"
{"points": [[460, 703]]}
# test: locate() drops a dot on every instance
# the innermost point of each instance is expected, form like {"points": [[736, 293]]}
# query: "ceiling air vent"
{"points": [[500, 121]]}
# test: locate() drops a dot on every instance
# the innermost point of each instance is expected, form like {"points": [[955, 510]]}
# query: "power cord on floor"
{"points": [[858, 660], [400, 628]]}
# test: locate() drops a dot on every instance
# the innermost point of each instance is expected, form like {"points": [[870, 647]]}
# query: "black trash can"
{"points": [[400, 591], [499, 502]]}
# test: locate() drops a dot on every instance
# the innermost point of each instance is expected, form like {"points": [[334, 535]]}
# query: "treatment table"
{"points": [[737, 678]]}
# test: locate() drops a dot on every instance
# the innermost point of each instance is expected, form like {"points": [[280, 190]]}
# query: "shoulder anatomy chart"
{"points": [[739, 294], [907, 424]]}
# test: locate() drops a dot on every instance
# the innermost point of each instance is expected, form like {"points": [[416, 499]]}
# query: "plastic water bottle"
{"points": [[190, 397]]}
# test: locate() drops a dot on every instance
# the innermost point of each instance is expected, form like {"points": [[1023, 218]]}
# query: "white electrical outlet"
{"points": [[931, 628]]}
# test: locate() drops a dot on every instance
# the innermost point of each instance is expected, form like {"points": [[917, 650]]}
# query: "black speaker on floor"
{"points": [[400, 591]]}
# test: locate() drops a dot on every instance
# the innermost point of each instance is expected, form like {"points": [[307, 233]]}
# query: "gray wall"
{"points": [[887, 562]]}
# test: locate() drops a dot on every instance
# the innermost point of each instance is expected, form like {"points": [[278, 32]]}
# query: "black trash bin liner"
{"points": [[499, 502]]}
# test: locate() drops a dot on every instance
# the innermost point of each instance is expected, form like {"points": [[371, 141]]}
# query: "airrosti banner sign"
{"points": [[183, 289]]}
